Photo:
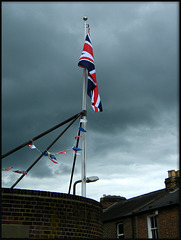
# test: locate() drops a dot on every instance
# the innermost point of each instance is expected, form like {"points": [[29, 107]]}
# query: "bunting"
{"points": [[31, 145], [52, 158], [63, 152], [15, 171], [82, 129], [77, 136], [51, 155], [77, 149], [20, 172], [7, 169]]}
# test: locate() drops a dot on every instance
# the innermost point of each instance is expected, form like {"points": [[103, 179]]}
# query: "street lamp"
{"points": [[88, 180]]}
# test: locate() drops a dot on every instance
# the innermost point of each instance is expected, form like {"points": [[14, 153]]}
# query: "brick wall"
{"points": [[129, 223], [109, 230], [141, 226], [39, 214], [169, 221]]}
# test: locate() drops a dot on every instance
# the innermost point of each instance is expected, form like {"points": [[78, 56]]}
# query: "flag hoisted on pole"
{"points": [[86, 61]]}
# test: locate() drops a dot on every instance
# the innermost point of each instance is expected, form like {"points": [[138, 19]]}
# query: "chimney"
{"points": [[172, 182], [109, 200]]}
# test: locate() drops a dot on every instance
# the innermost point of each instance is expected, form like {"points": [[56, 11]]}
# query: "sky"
{"points": [[133, 143]]}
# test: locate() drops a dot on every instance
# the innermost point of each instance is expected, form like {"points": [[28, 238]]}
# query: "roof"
{"points": [[142, 203]]}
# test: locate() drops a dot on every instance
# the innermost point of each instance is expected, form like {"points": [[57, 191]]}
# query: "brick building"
{"points": [[152, 215], [39, 215]]}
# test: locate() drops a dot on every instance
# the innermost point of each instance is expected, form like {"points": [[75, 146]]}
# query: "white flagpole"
{"points": [[83, 190]]}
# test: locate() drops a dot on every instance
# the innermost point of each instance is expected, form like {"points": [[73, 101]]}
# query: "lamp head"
{"points": [[92, 179]]}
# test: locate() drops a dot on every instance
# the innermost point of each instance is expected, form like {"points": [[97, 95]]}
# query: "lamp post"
{"points": [[88, 180]]}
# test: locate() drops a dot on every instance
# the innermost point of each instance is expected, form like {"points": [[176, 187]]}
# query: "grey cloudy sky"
{"points": [[130, 145]]}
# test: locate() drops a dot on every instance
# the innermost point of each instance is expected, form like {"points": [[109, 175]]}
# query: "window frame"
{"points": [[120, 235], [154, 228]]}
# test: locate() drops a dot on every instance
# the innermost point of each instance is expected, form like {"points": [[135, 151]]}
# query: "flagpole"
{"points": [[83, 189]]}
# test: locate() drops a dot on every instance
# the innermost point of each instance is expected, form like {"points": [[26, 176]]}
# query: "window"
{"points": [[152, 227], [120, 231]]}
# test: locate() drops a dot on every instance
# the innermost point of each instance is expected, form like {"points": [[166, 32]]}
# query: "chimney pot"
{"points": [[171, 173], [177, 173], [108, 200], [172, 182]]}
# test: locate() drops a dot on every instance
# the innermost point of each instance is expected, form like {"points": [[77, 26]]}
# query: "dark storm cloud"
{"points": [[141, 61], [34, 66], [136, 55]]}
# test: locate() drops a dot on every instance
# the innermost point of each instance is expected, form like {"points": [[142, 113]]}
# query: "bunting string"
{"points": [[7, 169], [51, 155], [16, 171], [20, 172]]}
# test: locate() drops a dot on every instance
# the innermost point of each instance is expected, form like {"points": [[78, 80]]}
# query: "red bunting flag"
{"points": [[7, 169], [31, 145], [77, 136], [21, 172], [63, 152], [53, 160]]}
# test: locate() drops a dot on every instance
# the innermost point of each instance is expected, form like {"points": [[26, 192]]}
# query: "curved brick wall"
{"points": [[39, 214]]}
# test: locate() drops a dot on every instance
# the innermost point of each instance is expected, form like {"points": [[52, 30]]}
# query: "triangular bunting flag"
{"points": [[31, 145], [77, 136], [63, 152], [21, 172], [7, 169], [77, 149], [82, 129]]}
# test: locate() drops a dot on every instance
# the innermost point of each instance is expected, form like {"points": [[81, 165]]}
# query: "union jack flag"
{"points": [[86, 60]]}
